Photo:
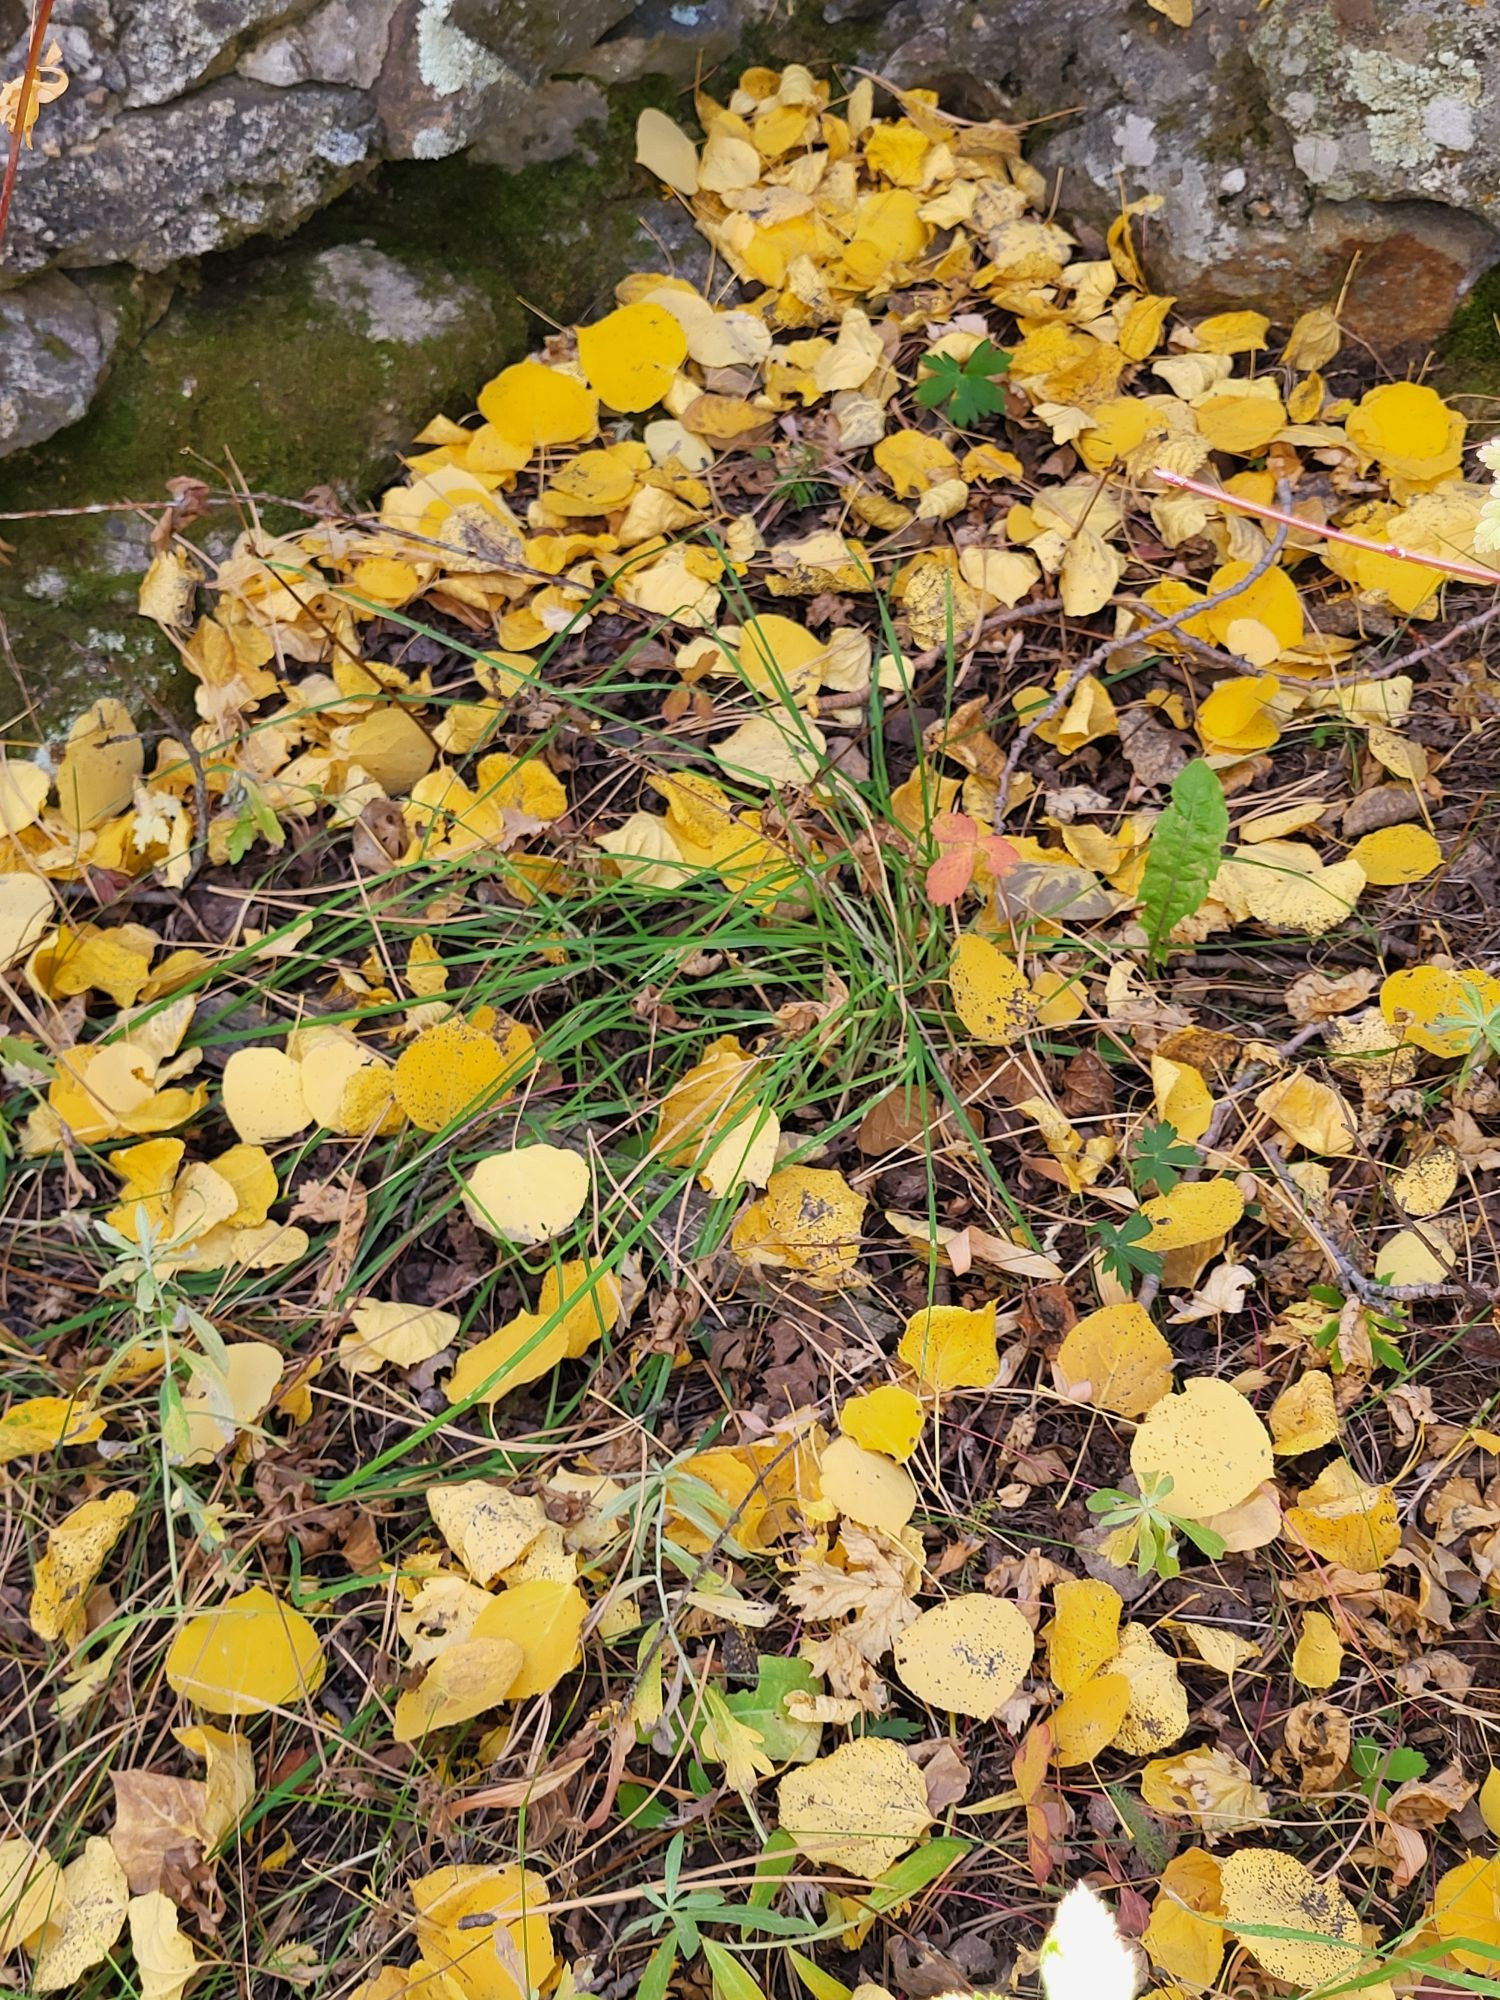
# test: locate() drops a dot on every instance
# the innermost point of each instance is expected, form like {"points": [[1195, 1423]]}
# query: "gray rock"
{"points": [[166, 50], [231, 160], [57, 335], [1288, 142], [381, 299]]}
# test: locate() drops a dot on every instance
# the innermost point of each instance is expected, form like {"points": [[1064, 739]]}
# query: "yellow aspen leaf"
{"points": [[665, 150], [1489, 1800], [779, 657], [76, 1551], [1192, 1212], [46, 1423], [1271, 600], [1217, 1648], [1119, 1357], [1431, 1006], [1266, 1889], [1425, 1186], [23, 794], [1345, 1521], [219, 1404], [1240, 714], [26, 913], [454, 1068], [1253, 1524], [715, 1094], [1304, 1416], [866, 1487], [1314, 340], [951, 1347], [1232, 332], [1088, 578], [808, 1220], [530, 404], [1212, 1788], [589, 1299], [1183, 1098], [1318, 1658], [1394, 854], [966, 1656], [481, 1934], [463, 1681], [1409, 429], [391, 746], [630, 356], [1156, 1715], [528, 1194], [251, 1653], [914, 461], [31, 1892], [991, 995], [386, 1332], [889, 1419], [247, 1169], [1397, 753], [856, 1811], [546, 1620], [82, 1931], [1466, 1904], [1311, 1114], [103, 759], [506, 1360], [263, 1098], [164, 1959], [1087, 1721], [1209, 1441], [1182, 1937], [1085, 1631], [486, 1525], [1240, 421]]}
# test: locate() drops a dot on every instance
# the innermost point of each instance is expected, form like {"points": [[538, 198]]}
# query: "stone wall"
{"points": [[1294, 142]]}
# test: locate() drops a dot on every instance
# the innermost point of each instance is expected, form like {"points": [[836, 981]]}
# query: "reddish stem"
{"points": [[28, 85], [1449, 565]]}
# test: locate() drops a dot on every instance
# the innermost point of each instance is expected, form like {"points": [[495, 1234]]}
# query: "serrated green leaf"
{"points": [[1185, 852]]}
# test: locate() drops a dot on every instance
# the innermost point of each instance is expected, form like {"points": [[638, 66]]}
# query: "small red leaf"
{"points": [[950, 874]]}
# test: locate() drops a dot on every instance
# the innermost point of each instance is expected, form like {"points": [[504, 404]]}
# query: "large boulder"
{"points": [[1299, 146]]}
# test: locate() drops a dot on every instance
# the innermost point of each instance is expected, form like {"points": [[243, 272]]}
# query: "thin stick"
{"points": [[1449, 565], [1059, 701], [28, 85]]}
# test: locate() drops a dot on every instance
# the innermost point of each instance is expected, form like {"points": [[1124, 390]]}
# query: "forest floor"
{"points": [[750, 1204]]}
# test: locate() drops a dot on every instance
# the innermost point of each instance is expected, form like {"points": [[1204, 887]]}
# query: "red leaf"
{"points": [[999, 856], [950, 874]]}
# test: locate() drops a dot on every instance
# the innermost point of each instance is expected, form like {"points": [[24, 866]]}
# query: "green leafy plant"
{"points": [[1123, 1245], [1160, 1158], [1380, 1766], [964, 391], [1184, 854], [1379, 1325], [1148, 1528], [1477, 1020]]}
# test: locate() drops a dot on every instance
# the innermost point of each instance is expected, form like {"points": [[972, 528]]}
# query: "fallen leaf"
{"points": [[251, 1653], [858, 1810], [966, 1656]]}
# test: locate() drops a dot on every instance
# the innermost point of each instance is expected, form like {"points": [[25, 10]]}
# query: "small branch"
{"points": [[1369, 1291], [1448, 565], [1097, 658], [18, 131]]}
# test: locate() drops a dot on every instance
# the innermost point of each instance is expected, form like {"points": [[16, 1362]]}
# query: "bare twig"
{"points": [[1369, 1291], [18, 131], [1100, 654], [1281, 513]]}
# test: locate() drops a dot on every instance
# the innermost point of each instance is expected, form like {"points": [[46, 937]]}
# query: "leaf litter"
{"points": [[601, 1137]]}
